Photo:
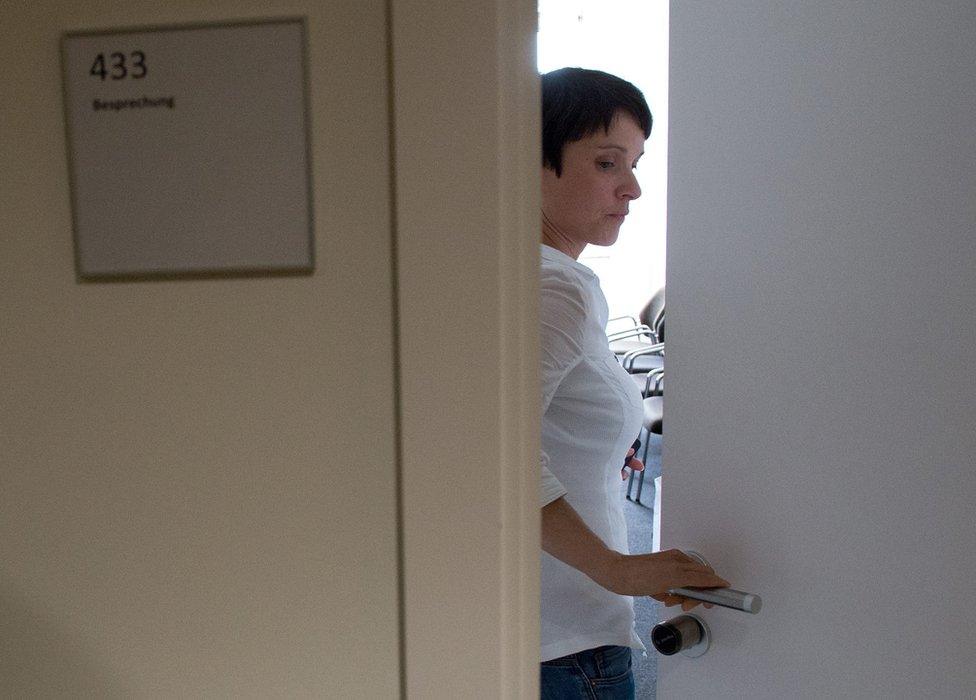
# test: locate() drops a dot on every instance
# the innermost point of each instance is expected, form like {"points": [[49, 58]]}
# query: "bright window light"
{"points": [[628, 38]]}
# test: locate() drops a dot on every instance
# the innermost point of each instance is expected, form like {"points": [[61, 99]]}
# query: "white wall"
{"points": [[821, 394], [198, 478]]}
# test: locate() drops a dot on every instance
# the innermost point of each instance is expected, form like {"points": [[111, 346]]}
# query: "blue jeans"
{"points": [[594, 674]]}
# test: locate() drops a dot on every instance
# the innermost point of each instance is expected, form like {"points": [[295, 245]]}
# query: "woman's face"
{"points": [[588, 202]]}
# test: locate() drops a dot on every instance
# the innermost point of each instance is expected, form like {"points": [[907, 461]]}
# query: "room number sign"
{"points": [[119, 69], [188, 150]]}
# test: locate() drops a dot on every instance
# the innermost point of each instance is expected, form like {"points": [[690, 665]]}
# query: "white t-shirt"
{"points": [[592, 413]]}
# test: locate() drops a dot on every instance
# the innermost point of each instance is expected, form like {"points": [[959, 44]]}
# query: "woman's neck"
{"points": [[552, 237]]}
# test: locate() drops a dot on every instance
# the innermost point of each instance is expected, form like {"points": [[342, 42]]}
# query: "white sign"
{"points": [[189, 150]]}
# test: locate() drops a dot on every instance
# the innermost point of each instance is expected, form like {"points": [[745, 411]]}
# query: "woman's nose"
{"points": [[631, 188]]}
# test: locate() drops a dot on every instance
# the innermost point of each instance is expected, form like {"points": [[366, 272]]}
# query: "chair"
{"points": [[645, 359], [653, 314], [653, 423], [651, 383], [646, 363], [642, 331], [640, 348]]}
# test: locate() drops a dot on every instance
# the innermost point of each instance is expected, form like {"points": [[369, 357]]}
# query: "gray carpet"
{"points": [[640, 522]]}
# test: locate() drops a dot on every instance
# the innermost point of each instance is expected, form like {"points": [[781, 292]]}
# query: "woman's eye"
{"points": [[605, 164]]}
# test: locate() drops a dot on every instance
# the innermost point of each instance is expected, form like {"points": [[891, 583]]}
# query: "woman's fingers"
{"points": [[672, 600], [632, 463], [655, 574], [702, 579]]}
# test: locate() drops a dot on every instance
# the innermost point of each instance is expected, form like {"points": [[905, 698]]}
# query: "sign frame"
{"points": [[223, 217]]}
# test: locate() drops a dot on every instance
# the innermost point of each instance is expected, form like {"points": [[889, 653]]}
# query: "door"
{"points": [[820, 332]]}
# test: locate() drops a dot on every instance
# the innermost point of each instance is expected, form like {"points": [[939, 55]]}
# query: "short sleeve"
{"points": [[550, 488]]}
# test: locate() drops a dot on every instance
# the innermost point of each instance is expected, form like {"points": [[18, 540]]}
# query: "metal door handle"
{"points": [[725, 597]]}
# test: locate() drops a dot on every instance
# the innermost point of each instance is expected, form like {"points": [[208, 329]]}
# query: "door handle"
{"points": [[725, 597]]}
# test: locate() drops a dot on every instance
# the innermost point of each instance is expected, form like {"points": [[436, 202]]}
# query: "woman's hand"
{"points": [[654, 574], [566, 537], [632, 463]]}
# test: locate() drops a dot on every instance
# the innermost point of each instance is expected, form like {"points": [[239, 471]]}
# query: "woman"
{"points": [[594, 129]]}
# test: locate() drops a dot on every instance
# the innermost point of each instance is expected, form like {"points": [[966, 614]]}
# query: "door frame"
{"points": [[465, 152]]}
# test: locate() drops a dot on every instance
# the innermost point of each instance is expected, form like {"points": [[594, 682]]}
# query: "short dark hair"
{"points": [[576, 102]]}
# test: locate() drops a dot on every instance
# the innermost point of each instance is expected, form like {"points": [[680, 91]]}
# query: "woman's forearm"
{"points": [[567, 538]]}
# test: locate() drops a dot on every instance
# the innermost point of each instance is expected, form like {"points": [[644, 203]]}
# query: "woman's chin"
{"points": [[612, 232], [608, 239]]}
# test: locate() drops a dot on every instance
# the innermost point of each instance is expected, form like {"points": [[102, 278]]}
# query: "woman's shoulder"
{"points": [[560, 283], [566, 302]]}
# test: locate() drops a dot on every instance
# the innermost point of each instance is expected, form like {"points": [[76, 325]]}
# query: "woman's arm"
{"points": [[567, 538]]}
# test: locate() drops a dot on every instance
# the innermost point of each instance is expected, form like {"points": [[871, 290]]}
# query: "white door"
{"points": [[821, 326]]}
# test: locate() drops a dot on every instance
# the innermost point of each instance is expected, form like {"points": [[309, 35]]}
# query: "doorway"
{"points": [[628, 38]]}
